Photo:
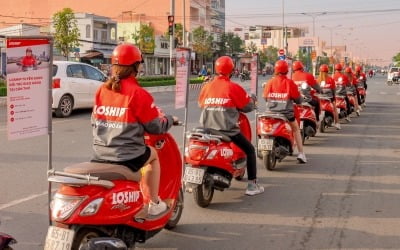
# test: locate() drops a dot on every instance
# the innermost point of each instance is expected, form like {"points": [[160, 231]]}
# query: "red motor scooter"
{"points": [[212, 161], [274, 138], [341, 106], [361, 90], [105, 202], [352, 100], [308, 120], [326, 112]]}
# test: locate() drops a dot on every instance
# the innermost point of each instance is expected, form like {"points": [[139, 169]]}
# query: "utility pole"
{"points": [[171, 39], [184, 24]]}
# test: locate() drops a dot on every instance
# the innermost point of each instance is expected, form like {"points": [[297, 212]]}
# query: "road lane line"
{"points": [[19, 201]]}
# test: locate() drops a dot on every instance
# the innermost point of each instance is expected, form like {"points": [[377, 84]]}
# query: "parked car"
{"points": [[74, 86], [393, 75]]}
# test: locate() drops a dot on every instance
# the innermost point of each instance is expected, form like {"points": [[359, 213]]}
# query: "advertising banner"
{"points": [[182, 76], [254, 74], [28, 73]]}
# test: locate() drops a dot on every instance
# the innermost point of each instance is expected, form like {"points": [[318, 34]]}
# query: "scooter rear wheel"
{"points": [[204, 193]]}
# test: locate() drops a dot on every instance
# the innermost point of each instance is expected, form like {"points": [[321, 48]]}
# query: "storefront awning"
{"points": [[92, 54]]}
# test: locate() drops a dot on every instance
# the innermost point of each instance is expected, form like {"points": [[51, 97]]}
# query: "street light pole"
{"points": [[331, 30], [314, 15]]}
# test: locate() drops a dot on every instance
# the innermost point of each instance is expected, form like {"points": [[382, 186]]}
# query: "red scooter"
{"points": [[101, 204], [341, 106], [326, 112], [274, 138], [308, 120], [361, 90], [352, 100], [212, 161]]}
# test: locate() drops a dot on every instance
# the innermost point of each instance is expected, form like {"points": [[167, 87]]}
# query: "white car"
{"points": [[393, 75], [74, 86]]}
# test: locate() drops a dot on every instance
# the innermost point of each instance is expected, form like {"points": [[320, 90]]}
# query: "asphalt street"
{"points": [[346, 197]]}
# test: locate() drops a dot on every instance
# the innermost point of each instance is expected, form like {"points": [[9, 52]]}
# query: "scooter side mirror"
{"points": [[105, 244]]}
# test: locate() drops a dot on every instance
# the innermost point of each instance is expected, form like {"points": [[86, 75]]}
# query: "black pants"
{"points": [[347, 104], [242, 142], [316, 106]]}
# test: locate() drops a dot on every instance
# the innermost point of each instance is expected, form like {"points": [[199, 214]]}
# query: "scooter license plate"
{"points": [[338, 110], [59, 238], [193, 175], [265, 144], [301, 124]]}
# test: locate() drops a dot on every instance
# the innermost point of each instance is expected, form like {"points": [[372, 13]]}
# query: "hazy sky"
{"points": [[369, 28]]}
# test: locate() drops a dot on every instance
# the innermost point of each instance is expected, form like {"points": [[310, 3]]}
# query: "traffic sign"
{"points": [[281, 52], [282, 57]]}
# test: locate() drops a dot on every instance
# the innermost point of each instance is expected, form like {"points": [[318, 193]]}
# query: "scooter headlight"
{"points": [[323, 83], [92, 208], [63, 206], [304, 85]]}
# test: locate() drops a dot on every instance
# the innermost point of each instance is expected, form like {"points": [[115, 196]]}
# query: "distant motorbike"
{"points": [[5, 241], [244, 76]]}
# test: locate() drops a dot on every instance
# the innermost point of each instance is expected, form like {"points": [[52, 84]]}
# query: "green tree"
{"points": [[251, 48], [231, 44], [305, 58], [202, 43], [270, 55], [66, 32], [146, 38], [396, 58]]}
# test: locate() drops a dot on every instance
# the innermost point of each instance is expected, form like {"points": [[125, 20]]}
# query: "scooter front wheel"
{"points": [[82, 238], [177, 213], [204, 192]]}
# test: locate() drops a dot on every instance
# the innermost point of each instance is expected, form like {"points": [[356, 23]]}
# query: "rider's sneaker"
{"points": [[157, 208], [348, 118], [301, 158], [253, 189], [358, 112], [337, 126]]}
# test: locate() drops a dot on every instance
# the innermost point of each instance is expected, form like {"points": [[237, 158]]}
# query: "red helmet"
{"points": [[338, 67], [298, 65], [324, 68], [358, 68], [281, 67], [126, 54], [348, 70], [224, 65]]}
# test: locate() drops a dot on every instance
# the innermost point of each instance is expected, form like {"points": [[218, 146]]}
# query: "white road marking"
{"points": [[383, 93], [19, 201]]}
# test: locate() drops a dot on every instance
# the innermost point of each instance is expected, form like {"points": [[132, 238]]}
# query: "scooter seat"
{"points": [[105, 171], [211, 131]]}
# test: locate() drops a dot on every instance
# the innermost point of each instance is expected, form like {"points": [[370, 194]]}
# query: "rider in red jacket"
{"points": [[123, 111], [300, 77], [342, 82], [221, 100], [280, 93], [328, 87]]}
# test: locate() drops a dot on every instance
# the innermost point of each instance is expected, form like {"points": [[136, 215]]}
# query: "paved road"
{"points": [[346, 197]]}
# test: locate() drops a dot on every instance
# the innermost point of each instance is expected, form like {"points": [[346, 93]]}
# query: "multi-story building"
{"points": [[98, 38], [264, 36], [209, 14]]}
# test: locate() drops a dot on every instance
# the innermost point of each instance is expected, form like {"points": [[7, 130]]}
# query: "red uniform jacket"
{"points": [[119, 120]]}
